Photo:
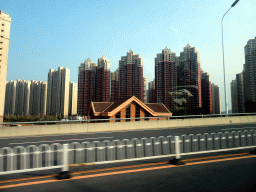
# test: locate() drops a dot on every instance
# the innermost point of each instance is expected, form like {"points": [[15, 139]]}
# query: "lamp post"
{"points": [[226, 105]]}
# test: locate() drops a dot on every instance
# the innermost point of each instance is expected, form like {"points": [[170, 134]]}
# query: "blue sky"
{"points": [[52, 33]]}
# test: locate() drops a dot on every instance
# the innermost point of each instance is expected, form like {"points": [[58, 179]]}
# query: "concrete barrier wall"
{"points": [[119, 126]]}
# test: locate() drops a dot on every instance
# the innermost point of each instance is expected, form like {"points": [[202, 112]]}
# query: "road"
{"points": [[37, 140], [229, 172]]}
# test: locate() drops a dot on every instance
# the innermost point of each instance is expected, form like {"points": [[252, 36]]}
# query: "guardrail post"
{"points": [[64, 174], [177, 160]]}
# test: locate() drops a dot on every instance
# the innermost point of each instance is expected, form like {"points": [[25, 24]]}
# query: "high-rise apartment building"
{"points": [[206, 93], [189, 76], [240, 93], [250, 70], [38, 98], [145, 89], [165, 77], [131, 76], [22, 97], [237, 94], [58, 92], [72, 98], [215, 99], [151, 92], [86, 86], [93, 83], [5, 25], [10, 97], [103, 80], [114, 85], [234, 96]]}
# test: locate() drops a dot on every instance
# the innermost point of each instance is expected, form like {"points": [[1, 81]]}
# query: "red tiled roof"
{"points": [[115, 105], [101, 106], [158, 107]]}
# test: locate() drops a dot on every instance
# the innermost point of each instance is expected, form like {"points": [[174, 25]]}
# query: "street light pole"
{"points": [[224, 73]]}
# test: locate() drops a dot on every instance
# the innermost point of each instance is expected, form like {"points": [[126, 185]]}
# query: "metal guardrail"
{"points": [[33, 158], [127, 119]]}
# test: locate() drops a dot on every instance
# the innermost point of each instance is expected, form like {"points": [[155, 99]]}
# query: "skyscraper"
{"points": [[58, 91], [38, 98], [145, 89], [189, 76], [103, 80], [72, 98], [234, 96], [131, 76], [237, 94], [206, 93], [10, 97], [165, 77], [93, 83], [151, 92], [5, 23], [86, 86], [22, 97], [250, 70], [215, 99], [114, 85]]}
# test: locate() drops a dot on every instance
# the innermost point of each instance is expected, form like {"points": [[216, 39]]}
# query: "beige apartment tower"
{"points": [[73, 89], [38, 95], [58, 92], [5, 24], [10, 98]]}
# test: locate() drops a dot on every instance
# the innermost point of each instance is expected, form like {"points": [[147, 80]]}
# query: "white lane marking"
{"points": [[249, 127], [62, 140], [106, 137], [16, 143], [232, 128]]}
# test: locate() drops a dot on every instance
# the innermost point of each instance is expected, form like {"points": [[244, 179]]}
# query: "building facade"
{"points": [[58, 92], [73, 90], [216, 99], [86, 86], [10, 97], [189, 77], [93, 83], [250, 70], [114, 85], [5, 25], [145, 89], [165, 77], [206, 93], [234, 96], [131, 76], [237, 94], [103, 80], [22, 97], [151, 92], [38, 98]]}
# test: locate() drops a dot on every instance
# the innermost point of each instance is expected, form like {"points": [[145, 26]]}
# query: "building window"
{"points": [[128, 111]]}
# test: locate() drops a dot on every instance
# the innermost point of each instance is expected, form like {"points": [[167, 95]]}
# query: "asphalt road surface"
{"points": [[225, 172], [49, 139]]}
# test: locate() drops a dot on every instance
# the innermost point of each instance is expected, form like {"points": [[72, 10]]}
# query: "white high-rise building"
{"points": [[73, 89], [5, 25], [22, 97], [58, 92], [38, 96], [10, 97]]}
